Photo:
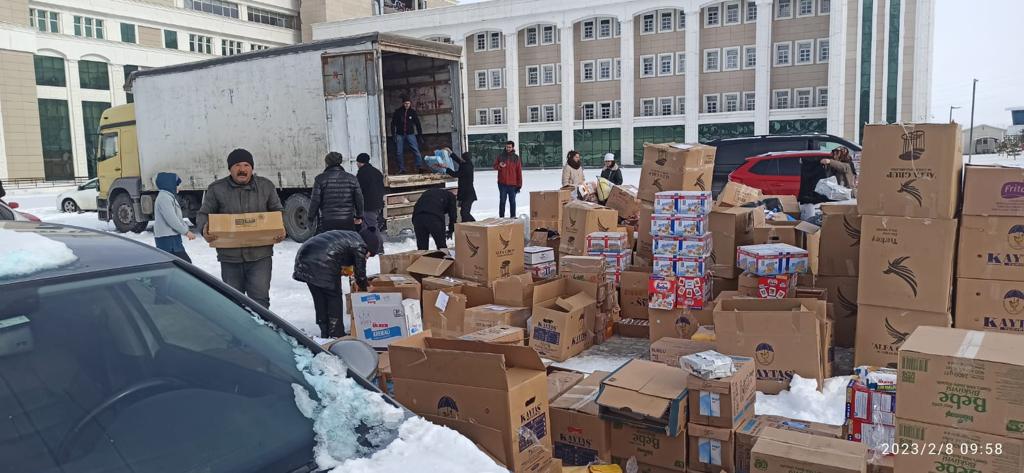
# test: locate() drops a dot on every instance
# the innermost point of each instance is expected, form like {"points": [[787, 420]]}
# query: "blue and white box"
{"points": [[692, 203], [679, 225], [383, 318], [694, 247]]}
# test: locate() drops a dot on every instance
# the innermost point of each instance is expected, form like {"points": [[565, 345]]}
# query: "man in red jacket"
{"points": [[510, 178]]}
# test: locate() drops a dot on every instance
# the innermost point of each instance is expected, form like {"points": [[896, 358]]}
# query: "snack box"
{"points": [[605, 242], [678, 266], [614, 261], [771, 259], [699, 246], [683, 203], [538, 255], [679, 225], [693, 292], [661, 292], [542, 270]]}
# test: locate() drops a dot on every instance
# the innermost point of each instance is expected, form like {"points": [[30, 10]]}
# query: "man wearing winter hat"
{"points": [[245, 269]]}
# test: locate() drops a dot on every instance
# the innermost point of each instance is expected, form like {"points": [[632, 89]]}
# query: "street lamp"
{"points": [[974, 90], [951, 108]]}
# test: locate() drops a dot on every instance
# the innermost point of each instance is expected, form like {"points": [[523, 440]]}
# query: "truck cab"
{"points": [[118, 170]]}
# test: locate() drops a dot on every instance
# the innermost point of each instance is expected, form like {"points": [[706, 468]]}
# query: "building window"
{"points": [[824, 7], [55, 131], [647, 66], [589, 111], [647, 24], [558, 73], [587, 32], [93, 75], [805, 52], [497, 116], [217, 7], [681, 105], [749, 57], [782, 54], [258, 47], [91, 114], [532, 76], [127, 70], [531, 36], [88, 27], [604, 69], [749, 101], [823, 96], [495, 43], [604, 28], [50, 71], [495, 78], [784, 9], [128, 33], [604, 110], [665, 21], [617, 112], [587, 71], [751, 15], [712, 16], [680, 63], [547, 76], [780, 99], [731, 102], [646, 107], [732, 13], [170, 39], [711, 60], [200, 44], [665, 105], [267, 17], [711, 103], [680, 20], [547, 35], [483, 116], [44, 20], [533, 114], [665, 66], [732, 58], [804, 97], [550, 113], [230, 48], [481, 42], [618, 69], [805, 8], [481, 80], [823, 50]]}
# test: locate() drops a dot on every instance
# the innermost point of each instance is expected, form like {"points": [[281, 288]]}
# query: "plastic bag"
{"points": [[830, 188], [440, 161]]}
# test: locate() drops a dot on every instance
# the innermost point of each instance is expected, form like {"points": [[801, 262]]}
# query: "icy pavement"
{"points": [[28, 253]]}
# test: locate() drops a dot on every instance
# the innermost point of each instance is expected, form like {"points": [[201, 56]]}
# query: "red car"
{"points": [[775, 173]]}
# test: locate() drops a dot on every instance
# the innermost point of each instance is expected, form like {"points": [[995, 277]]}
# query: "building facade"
{"points": [[606, 75], [986, 139]]}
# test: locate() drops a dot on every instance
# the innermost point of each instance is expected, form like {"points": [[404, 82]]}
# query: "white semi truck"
{"points": [[289, 106]]}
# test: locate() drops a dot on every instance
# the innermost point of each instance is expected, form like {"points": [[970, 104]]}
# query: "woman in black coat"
{"points": [[318, 263], [467, 193]]}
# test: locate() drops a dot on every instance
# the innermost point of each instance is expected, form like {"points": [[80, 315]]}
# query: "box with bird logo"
{"points": [[907, 263], [991, 248], [835, 248], [580, 219], [562, 327], [996, 306], [489, 249], [882, 330], [675, 167], [910, 170]]}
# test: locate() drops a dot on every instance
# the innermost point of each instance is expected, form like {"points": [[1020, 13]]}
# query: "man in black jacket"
{"points": [[467, 193], [371, 182], [405, 126], [337, 199], [428, 218], [319, 263]]}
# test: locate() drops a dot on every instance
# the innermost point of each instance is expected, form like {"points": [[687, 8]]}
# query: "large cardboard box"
{"points": [[786, 451], [633, 294], [398, 263], [646, 393], [644, 239], [735, 194], [725, 402], [245, 230], [650, 447], [731, 227], [580, 436], [560, 381], [444, 312], [835, 249], [668, 350], [996, 306], [994, 191], [784, 336], [675, 167], [842, 294], [580, 219], [500, 334], [622, 198], [384, 318], [489, 249], [402, 284], [547, 205], [991, 248], [675, 323], [491, 315], [712, 449], [910, 170], [882, 330], [907, 263], [963, 378], [790, 232], [967, 451], [434, 264], [496, 395], [749, 431], [515, 290], [561, 328]]}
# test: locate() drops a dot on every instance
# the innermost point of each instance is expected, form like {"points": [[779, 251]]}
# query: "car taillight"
{"points": [[30, 217], [13, 205]]}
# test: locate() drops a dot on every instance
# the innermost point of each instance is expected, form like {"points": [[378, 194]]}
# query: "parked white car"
{"points": [[81, 199]]}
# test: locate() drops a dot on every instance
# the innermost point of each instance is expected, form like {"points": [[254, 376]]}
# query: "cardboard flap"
{"points": [[431, 265], [649, 378], [549, 290], [816, 443], [576, 302], [708, 432], [514, 356], [628, 400], [460, 362]]}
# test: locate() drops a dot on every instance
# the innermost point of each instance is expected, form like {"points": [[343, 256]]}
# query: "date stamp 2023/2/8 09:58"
{"points": [[951, 448]]}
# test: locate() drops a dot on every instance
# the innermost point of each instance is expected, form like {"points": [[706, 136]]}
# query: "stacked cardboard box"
{"points": [[579, 435], [669, 167], [778, 451], [770, 270], [990, 273], [580, 219], [383, 318], [489, 249], [445, 301], [748, 433], [908, 195], [622, 198], [681, 247], [835, 263], [539, 261], [593, 270], [614, 248], [717, 407], [546, 208], [563, 319], [871, 408]]}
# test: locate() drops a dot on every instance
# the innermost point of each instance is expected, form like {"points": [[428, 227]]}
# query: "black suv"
{"points": [[733, 152]]}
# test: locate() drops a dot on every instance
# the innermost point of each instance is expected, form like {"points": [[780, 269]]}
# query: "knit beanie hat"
{"points": [[334, 158], [239, 156], [363, 158]]}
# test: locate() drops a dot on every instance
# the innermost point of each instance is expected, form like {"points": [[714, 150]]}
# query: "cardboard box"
{"points": [[633, 294], [676, 266], [661, 292], [967, 451], [580, 219], [677, 323], [712, 449], [679, 225], [245, 230], [779, 286], [492, 394], [547, 205], [692, 203], [542, 270], [735, 194], [771, 259], [993, 191], [561, 328], [444, 312], [910, 170], [881, 464], [723, 403], [791, 232], [538, 255], [790, 206], [402, 284], [649, 446], [719, 285], [447, 282], [835, 250], [693, 292], [384, 318], [633, 328], [841, 292], [489, 249], [580, 436], [491, 315], [962, 378], [644, 239], [785, 451], [784, 336], [667, 350], [907, 263], [882, 330], [731, 228], [991, 248], [433, 264], [675, 167], [648, 394], [748, 433], [398, 263], [560, 381], [516, 290], [500, 334], [871, 408], [622, 199], [701, 246], [996, 306]]}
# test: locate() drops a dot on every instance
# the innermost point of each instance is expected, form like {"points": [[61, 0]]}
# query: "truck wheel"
{"points": [[296, 218], [122, 212]]}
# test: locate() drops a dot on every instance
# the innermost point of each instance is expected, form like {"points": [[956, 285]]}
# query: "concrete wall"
{"points": [[537, 56], [14, 11], [909, 52], [592, 50], [483, 60], [653, 44], [793, 30], [317, 11], [152, 37], [720, 38], [19, 112]]}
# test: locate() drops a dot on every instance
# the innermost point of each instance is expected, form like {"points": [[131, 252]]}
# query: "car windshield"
{"points": [[147, 370]]}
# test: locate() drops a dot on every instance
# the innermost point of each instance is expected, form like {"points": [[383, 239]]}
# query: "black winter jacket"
{"points": [[613, 174], [336, 196], [320, 259], [371, 182], [436, 203], [405, 122], [467, 193]]}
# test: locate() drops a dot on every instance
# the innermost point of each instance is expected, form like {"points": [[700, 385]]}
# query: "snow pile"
{"points": [[26, 253], [803, 401]]}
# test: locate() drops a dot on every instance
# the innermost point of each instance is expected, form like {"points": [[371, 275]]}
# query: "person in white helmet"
{"points": [[611, 170]]}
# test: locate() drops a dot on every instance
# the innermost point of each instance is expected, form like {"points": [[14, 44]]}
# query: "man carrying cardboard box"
{"points": [[243, 267]]}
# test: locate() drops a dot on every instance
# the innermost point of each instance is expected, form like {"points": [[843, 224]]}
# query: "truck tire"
{"points": [[122, 212], [296, 218]]}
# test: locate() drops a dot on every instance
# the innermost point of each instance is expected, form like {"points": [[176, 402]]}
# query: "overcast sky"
{"points": [[980, 39]]}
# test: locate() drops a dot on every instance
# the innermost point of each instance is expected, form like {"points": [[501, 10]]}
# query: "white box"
{"points": [[385, 318], [538, 255]]}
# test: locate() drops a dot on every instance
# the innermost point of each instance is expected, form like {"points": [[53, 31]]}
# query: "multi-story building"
{"points": [[608, 75]]}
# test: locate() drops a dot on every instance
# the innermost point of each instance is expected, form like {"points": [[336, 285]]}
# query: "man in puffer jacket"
{"points": [[167, 225], [319, 263], [337, 198]]}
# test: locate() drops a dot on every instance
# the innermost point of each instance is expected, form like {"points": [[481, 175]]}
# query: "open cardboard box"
{"points": [[646, 393]]}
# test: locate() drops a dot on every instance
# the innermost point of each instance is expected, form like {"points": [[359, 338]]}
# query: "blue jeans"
{"points": [[506, 191], [414, 145]]}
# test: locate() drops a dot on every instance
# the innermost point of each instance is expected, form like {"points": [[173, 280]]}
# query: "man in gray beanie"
{"points": [[245, 269], [337, 201]]}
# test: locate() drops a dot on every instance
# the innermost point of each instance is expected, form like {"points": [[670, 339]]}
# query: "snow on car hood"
{"points": [[25, 253]]}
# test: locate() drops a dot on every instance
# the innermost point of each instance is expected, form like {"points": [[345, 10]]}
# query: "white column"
{"points": [[627, 89], [763, 71], [924, 36], [75, 124], [512, 84], [117, 94], [463, 90], [694, 59], [836, 68], [568, 59]]}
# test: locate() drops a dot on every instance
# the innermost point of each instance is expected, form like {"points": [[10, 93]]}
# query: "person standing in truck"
{"points": [[167, 224], [467, 193], [337, 200], [510, 178], [428, 218], [405, 126], [246, 269], [319, 262], [371, 182]]}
